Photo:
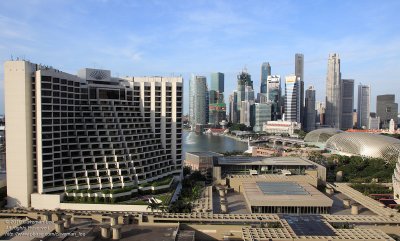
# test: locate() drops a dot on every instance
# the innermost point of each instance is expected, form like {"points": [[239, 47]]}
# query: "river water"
{"points": [[193, 142]]}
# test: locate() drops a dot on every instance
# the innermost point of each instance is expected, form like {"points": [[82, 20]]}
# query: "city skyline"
{"points": [[205, 37], [199, 120]]}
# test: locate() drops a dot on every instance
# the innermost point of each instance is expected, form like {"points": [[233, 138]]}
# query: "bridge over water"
{"points": [[278, 140]]}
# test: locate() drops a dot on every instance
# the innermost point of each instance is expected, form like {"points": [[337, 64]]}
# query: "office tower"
{"points": [[262, 114], [299, 72], [217, 113], [265, 72], [198, 107], [217, 106], [386, 109], [87, 131], [320, 107], [333, 102], [355, 118], [363, 105], [292, 98], [217, 82], [244, 84], [213, 96], [273, 88], [245, 110], [243, 80], [373, 123], [281, 106], [347, 103], [233, 111], [299, 66], [274, 95], [207, 110], [262, 98], [310, 112], [231, 107], [245, 113]]}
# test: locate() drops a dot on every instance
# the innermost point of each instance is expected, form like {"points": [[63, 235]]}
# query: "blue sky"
{"points": [[183, 37]]}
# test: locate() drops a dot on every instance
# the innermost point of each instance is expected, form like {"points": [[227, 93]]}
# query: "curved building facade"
{"points": [[365, 144], [321, 135], [396, 181]]}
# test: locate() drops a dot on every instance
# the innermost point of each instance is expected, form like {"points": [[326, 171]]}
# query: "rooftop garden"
{"points": [[191, 190], [159, 182]]}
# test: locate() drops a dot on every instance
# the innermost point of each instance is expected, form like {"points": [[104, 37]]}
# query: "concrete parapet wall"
{"points": [[52, 201]]}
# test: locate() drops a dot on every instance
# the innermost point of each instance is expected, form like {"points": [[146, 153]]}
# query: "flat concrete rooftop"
{"points": [[309, 197]]}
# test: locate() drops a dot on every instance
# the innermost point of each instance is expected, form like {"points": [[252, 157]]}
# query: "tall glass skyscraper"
{"points": [[217, 82], [265, 72], [262, 114], [233, 112], [363, 105], [217, 106], [198, 106]]}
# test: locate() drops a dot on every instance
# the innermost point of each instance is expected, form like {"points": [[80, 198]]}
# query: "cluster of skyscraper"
{"points": [[270, 104], [339, 103], [296, 105]]}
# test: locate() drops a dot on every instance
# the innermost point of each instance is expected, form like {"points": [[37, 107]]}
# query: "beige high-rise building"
{"points": [[88, 131], [333, 103]]}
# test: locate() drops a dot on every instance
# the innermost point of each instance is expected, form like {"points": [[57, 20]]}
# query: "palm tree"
{"points": [[153, 206]]}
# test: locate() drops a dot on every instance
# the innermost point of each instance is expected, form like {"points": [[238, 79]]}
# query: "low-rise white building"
{"points": [[281, 127]]}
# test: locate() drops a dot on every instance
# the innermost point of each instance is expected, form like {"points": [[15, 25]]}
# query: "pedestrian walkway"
{"points": [[371, 204]]}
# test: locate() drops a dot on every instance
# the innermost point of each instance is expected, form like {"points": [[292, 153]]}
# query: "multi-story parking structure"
{"points": [[88, 131]]}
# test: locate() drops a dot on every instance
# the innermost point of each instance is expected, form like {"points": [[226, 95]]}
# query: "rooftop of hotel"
{"points": [[204, 153]]}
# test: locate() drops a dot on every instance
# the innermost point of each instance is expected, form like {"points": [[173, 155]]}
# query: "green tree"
{"points": [[186, 170], [315, 156], [154, 205]]}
